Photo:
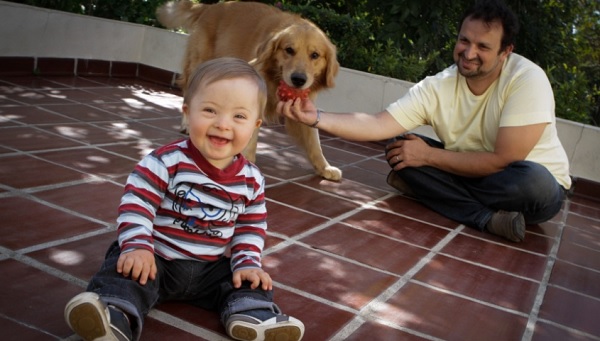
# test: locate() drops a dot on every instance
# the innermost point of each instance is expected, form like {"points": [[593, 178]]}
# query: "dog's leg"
{"points": [[250, 150], [308, 139]]}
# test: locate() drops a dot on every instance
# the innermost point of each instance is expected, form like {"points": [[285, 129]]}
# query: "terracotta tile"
{"points": [[128, 107], [170, 124], [479, 283], [398, 227], [116, 132], [321, 321], [81, 258], [33, 172], [584, 237], [29, 115], [548, 332], [157, 330], [366, 177], [575, 278], [76, 96], [534, 242], [194, 315], [29, 139], [584, 223], [413, 208], [587, 189], [91, 161], [449, 317], [325, 276], [76, 82], [579, 255], [358, 148], [331, 266], [157, 75], [310, 200], [47, 224], [81, 112], [100, 199], [41, 310], [366, 248], [549, 229], [380, 332], [339, 157], [135, 150], [16, 330], [91, 67], [587, 200], [497, 256], [585, 210], [272, 241], [289, 221], [571, 310], [56, 66], [26, 83], [283, 164], [16, 66], [344, 188], [123, 69], [140, 130]]}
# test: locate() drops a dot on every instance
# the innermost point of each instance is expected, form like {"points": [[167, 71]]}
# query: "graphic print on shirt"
{"points": [[201, 217]]}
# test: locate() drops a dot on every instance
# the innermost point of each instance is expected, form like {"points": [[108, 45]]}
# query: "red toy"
{"points": [[285, 92]]}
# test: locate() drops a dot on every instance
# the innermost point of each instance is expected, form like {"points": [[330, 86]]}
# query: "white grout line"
{"points": [[539, 298], [369, 311]]}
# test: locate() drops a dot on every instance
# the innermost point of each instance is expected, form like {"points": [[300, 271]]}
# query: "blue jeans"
{"points": [[207, 285], [523, 186]]}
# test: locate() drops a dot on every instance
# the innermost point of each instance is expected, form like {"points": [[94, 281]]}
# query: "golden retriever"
{"points": [[280, 45]]}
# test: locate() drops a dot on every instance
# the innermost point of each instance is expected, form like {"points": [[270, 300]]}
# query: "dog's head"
{"points": [[301, 55]]}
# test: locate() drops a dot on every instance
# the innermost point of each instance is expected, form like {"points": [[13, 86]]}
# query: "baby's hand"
{"points": [[255, 276], [139, 264]]}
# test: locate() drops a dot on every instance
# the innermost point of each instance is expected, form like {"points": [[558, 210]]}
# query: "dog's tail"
{"points": [[178, 14]]}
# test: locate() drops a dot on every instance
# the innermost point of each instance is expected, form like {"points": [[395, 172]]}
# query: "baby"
{"points": [[192, 223]]}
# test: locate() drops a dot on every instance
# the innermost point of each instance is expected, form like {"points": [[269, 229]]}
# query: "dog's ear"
{"points": [[333, 66], [265, 52]]}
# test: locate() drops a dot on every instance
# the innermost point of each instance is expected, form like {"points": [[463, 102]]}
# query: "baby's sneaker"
{"points": [[93, 320], [280, 327]]}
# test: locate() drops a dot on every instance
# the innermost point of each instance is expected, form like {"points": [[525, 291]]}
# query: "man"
{"points": [[500, 164]]}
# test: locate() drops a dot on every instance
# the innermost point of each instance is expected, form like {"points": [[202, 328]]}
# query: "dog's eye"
{"points": [[290, 51], [315, 55]]}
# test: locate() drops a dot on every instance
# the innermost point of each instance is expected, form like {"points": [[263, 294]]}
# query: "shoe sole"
{"points": [[248, 332], [245, 331], [86, 316]]}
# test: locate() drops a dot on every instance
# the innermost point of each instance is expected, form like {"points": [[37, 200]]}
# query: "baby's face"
{"points": [[222, 117]]}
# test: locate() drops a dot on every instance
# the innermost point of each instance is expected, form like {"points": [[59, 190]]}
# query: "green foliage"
{"points": [[574, 99], [135, 11]]}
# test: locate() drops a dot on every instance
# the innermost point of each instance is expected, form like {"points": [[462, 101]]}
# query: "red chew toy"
{"points": [[285, 92]]}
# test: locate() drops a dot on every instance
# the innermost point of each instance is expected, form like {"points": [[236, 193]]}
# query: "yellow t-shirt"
{"points": [[522, 95]]}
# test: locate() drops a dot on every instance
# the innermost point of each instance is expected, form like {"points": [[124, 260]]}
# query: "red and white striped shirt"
{"points": [[179, 206]]}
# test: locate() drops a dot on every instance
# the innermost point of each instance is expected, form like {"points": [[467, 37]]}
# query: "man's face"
{"points": [[477, 51]]}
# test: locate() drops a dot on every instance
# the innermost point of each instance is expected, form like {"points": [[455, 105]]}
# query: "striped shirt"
{"points": [[179, 206]]}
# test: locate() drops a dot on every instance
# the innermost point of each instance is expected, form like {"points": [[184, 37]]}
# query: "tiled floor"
{"points": [[354, 260]]}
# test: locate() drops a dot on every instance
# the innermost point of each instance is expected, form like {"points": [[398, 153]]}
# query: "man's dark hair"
{"points": [[495, 10]]}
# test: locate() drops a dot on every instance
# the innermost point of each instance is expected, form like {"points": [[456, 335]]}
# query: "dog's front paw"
{"points": [[331, 173]]}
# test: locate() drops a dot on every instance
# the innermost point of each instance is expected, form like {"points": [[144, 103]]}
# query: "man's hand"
{"points": [[255, 276], [301, 110], [409, 152], [140, 265]]}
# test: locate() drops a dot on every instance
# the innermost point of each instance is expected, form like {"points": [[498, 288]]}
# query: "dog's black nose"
{"points": [[298, 79]]}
